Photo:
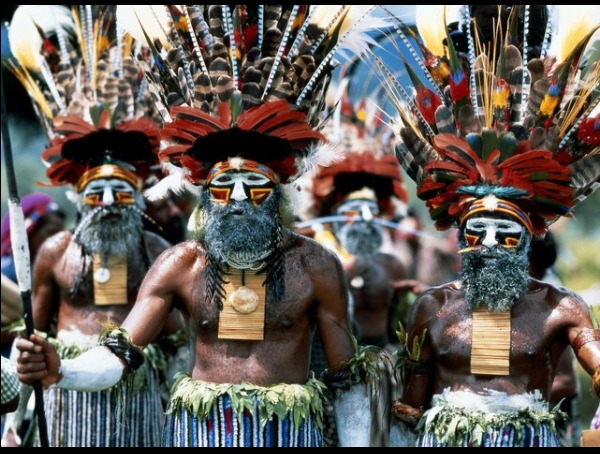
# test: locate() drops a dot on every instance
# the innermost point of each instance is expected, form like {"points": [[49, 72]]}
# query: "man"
{"points": [[252, 292], [351, 199], [86, 281], [481, 352]]}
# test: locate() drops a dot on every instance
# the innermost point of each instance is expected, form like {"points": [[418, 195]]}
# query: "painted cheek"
{"points": [[259, 195], [220, 195]]}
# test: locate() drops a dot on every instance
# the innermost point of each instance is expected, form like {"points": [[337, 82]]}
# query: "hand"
{"points": [[38, 360]]}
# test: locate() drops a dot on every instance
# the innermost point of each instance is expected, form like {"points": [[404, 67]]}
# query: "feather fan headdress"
{"points": [[369, 161], [245, 81], [496, 115], [87, 91]]}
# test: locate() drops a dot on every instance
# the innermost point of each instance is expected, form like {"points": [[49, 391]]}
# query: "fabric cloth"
{"points": [[130, 414], [34, 206], [466, 419], [10, 381], [203, 414]]}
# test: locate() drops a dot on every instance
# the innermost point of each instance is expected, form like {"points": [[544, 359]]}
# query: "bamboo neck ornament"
{"points": [[243, 314], [490, 342], [110, 280]]}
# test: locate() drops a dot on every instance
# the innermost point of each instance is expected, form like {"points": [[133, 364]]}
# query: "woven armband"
{"points": [[586, 335], [117, 341], [340, 379], [596, 381], [417, 367], [406, 413]]}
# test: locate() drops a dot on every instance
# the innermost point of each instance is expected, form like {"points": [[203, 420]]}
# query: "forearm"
{"points": [[95, 370]]}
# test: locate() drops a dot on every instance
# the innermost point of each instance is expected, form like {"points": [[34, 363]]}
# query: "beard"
{"points": [[109, 230], [240, 234], [498, 279], [361, 239]]}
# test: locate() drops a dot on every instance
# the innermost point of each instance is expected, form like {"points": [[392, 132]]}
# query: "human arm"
{"points": [[416, 361], [45, 293]]}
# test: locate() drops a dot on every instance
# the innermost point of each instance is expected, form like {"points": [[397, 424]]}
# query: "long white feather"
{"points": [[152, 19]]}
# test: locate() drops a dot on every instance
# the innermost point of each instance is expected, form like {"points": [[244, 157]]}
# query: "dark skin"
{"points": [[374, 299], [544, 322], [315, 298], [54, 274]]}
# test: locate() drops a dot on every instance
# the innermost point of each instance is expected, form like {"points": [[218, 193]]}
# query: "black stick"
{"points": [[20, 247]]}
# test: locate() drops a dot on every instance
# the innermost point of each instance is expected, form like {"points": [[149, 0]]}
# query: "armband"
{"points": [[406, 413], [340, 379], [585, 335], [117, 341], [596, 381]]}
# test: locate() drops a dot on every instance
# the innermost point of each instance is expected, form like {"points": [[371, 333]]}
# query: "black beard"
{"points": [[241, 233], [109, 230], [361, 239], [496, 283]]}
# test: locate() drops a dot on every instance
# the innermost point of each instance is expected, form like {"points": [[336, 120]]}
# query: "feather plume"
{"points": [[251, 68], [521, 128], [76, 67]]}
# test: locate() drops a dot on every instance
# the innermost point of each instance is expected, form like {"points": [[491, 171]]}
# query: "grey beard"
{"points": [[100, 234], [361, 239], [498, 284], [245, 238]]}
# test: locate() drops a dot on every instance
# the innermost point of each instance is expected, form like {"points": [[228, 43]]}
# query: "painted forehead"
{"points": [[357, 204], [247, 177]]}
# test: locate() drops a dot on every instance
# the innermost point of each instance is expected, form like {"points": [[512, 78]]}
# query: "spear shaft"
{"points": [[20, 251]]}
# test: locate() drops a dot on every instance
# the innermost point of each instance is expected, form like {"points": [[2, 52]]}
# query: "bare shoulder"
{"points": [[184, 254], [312, 251], [561, 299], [431, 300], [56, 245]]}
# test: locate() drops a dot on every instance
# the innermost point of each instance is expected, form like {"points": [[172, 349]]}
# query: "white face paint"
{"points": [[367, 209], [108, 192], [241, 182], [493, 231]]}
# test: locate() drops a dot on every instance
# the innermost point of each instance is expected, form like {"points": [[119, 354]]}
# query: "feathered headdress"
{"points": [[496, 115], [244, 81], [369, 161], [88, 93]]}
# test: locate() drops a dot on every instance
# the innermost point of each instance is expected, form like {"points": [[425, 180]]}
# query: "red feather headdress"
{"points": [[508, 120], [369, 160], [244, 81], [87, 91]]}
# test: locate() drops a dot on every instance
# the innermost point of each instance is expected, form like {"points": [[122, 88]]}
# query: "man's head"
{"points": [[110, 208], [495, 263], [359, 236]]}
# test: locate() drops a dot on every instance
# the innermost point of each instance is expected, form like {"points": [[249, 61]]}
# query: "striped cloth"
{"points": [[223, 428], [530, 437], [117, 417]]}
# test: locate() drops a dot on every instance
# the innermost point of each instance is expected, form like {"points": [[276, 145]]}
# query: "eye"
{"points": [[255, 178], [223, 179]]}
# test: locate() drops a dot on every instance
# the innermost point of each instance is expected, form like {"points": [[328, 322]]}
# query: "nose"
{"points": [[239, 193], [108, 197], [366, 212], [489, 239]]}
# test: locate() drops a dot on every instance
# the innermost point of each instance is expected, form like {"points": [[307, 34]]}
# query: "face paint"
{"points": [[492, 231], [107, 192], [366, 209], [237, 186]]}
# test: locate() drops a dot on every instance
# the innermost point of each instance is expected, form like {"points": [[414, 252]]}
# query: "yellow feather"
{"points": [[574, 22], [25, 40], [151, 19], [23, 76], [429, 20]]}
